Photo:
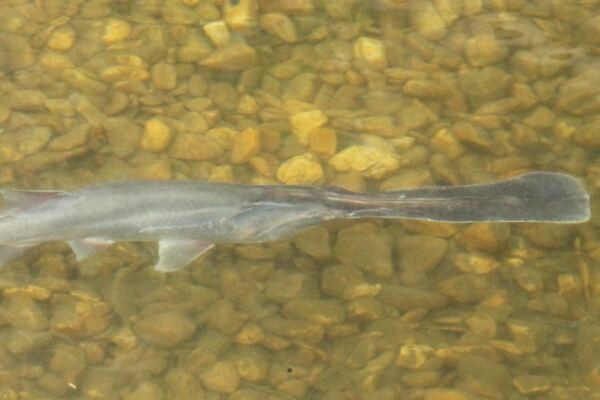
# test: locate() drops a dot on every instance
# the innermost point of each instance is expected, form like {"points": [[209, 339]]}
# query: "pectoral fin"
{"points": [[174, 254], [84, 248]]}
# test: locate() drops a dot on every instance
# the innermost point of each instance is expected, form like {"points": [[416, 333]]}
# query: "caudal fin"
{"points": [[532, 197]]}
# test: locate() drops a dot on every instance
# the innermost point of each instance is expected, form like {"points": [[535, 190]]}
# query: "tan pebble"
{"points": [[157, 135], [449, 10], [306, 121], [198, 147], [241, 15], [156, 170], [247, 105], [446, 143], [166, 329], [279, 25], [246, 145], [234, 57], [475, 263], [262, 166], [421, 253], [367, 247], [115, 31], [5, 111], [413, 356], [532, 384], [56, 61], [352, 181], [222, 173], [303, 169], [323, 141], [472, 7], [428, 21], [116, 73], [251, 333], [482, 325], [164, 76], [8, 153], [410, 178], [221, 377], [485, 49], [62, 38], [370, 51], [217, 32], [314, 242], [145, 391], [371, 162], [74, 138], [445, 394], [485, 236]]}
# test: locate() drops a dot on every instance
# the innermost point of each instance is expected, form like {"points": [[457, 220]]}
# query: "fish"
{"points": [[188, 218]]}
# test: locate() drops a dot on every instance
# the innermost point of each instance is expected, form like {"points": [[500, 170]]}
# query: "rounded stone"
{"points": [[166, 330], [157, 135], [303, 169]]}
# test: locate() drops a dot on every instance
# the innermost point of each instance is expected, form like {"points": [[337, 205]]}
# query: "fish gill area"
{"points": [[363, 95]]}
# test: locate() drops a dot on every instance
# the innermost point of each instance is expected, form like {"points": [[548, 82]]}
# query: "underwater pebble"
{"points": [[371, 162], [115, 31], [252, 364], [78, 316], [279, 25], [323, 141], [371, 52], [532, 384], [246, 145], [347, 282], [164, 76], [421, 253], [315, 242], [445, 394], [367, 247], [233, 57], [217, 32], [484, 49], [198, 147], [324, 312], [427, 20], [74, 138], [221, 377], [62, 38], [303, 169], [408, 298], [303, 123], [182, 385], [475, 263], [166, 329], [156, 136], [485, 237], [145, 391]]}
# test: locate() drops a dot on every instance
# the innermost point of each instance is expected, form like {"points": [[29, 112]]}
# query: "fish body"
{"points": [[187, 218]]}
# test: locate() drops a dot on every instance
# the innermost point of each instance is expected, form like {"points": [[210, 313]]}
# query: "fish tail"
{"points": [[532, 197]]}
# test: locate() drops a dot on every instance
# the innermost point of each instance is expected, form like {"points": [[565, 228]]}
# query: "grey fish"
{"points": [[188, 218]]}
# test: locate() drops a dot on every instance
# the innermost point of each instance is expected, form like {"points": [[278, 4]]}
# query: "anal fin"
{"points": [[174, 254], [84, 248]]}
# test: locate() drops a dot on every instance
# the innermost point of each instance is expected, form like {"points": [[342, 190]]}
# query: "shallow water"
{"points": [[367, 96]]}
